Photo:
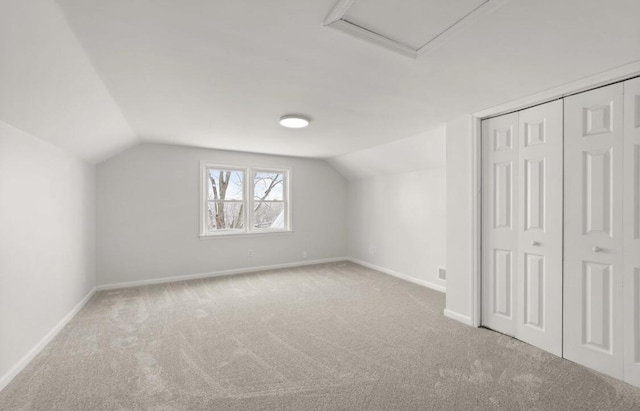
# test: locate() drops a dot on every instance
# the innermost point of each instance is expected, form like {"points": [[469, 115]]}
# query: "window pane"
{"points": [[268, 186], [224, 215], [269, 215], [224, 184]]}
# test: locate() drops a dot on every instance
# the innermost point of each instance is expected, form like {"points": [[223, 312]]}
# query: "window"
{"points": [[242, 200]]}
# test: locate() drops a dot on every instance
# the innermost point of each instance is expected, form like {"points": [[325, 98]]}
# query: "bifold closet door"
{"points": [[539, 280], [632, 231], [499, 222], [522, 225], [593, 271]]}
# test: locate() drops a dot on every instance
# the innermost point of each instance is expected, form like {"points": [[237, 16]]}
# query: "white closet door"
{"points": [[499, 222], [632, 231], [539, 280], [593, 229]]}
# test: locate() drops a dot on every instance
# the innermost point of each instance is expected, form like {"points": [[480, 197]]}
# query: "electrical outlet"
{"points": [[304, 254], [372, 250], [250, 253]]}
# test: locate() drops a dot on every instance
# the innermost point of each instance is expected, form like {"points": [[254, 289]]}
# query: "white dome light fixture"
{"points": [[294, 121]]}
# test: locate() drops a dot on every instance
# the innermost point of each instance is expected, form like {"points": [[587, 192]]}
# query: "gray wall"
{"points": [[148, 213], [47, 241]]}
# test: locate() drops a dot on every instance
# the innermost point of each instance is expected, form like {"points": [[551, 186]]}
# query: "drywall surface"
{"points": [[184, 71], [49, 86], [397, 222], [459, 217], [419, 152], [47, 241], [148, 215]]}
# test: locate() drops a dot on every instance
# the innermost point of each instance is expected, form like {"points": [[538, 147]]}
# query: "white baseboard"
{"points": [[26, 359], [222, 273], [465, 319], [405, 277]]}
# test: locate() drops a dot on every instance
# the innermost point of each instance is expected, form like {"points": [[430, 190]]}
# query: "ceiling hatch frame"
{"points": [[336, 20]]}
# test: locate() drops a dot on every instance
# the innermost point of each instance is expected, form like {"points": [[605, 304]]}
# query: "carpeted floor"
{"points": [[327, 337]]}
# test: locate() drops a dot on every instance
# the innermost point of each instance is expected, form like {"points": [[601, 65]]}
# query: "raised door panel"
{"points": [[499, 222], [503, 196], [632, 231], [535, 173], [597, 302], [502, 279], [593, 238], [597, 193], [539, 272], [535, 307]]}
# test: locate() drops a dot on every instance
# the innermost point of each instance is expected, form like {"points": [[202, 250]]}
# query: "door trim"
{"points": [[605, 78]]}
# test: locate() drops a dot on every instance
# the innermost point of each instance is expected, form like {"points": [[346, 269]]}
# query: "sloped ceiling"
{"points": [[219, 73], [49, 88]]}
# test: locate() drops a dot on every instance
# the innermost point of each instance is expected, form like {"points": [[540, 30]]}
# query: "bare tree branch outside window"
{"points": [[226, 205]]}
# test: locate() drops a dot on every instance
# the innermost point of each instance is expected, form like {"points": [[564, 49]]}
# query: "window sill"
{"points": [[265, 233]]}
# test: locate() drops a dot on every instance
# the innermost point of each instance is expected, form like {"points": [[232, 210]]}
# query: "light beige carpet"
{"points": [[327, 337]]}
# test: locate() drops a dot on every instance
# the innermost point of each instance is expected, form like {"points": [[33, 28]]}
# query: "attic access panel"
{"points": [[410, 27]]}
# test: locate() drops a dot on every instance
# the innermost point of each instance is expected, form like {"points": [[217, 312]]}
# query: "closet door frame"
{"points": [[631, 255]]}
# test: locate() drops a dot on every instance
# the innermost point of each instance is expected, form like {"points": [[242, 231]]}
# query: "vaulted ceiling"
{"points": [[96, 76]]}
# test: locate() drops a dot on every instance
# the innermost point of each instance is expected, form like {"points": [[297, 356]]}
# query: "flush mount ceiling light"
{"points": [[294, 121]]}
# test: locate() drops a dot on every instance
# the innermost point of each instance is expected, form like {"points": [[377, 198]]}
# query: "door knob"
{"points": [[596, 249], [535, 243]]}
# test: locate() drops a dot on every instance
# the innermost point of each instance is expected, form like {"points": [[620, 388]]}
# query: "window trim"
{"points": [[248, 201]]}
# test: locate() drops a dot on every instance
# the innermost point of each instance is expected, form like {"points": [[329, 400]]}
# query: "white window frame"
{"points": [[248, 200]]}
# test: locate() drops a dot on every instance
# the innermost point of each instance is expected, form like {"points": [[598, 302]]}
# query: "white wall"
{"points": [[419, 152], [397, 206], [459, 217], [148, 213], [47, 242], [397, 223]]}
